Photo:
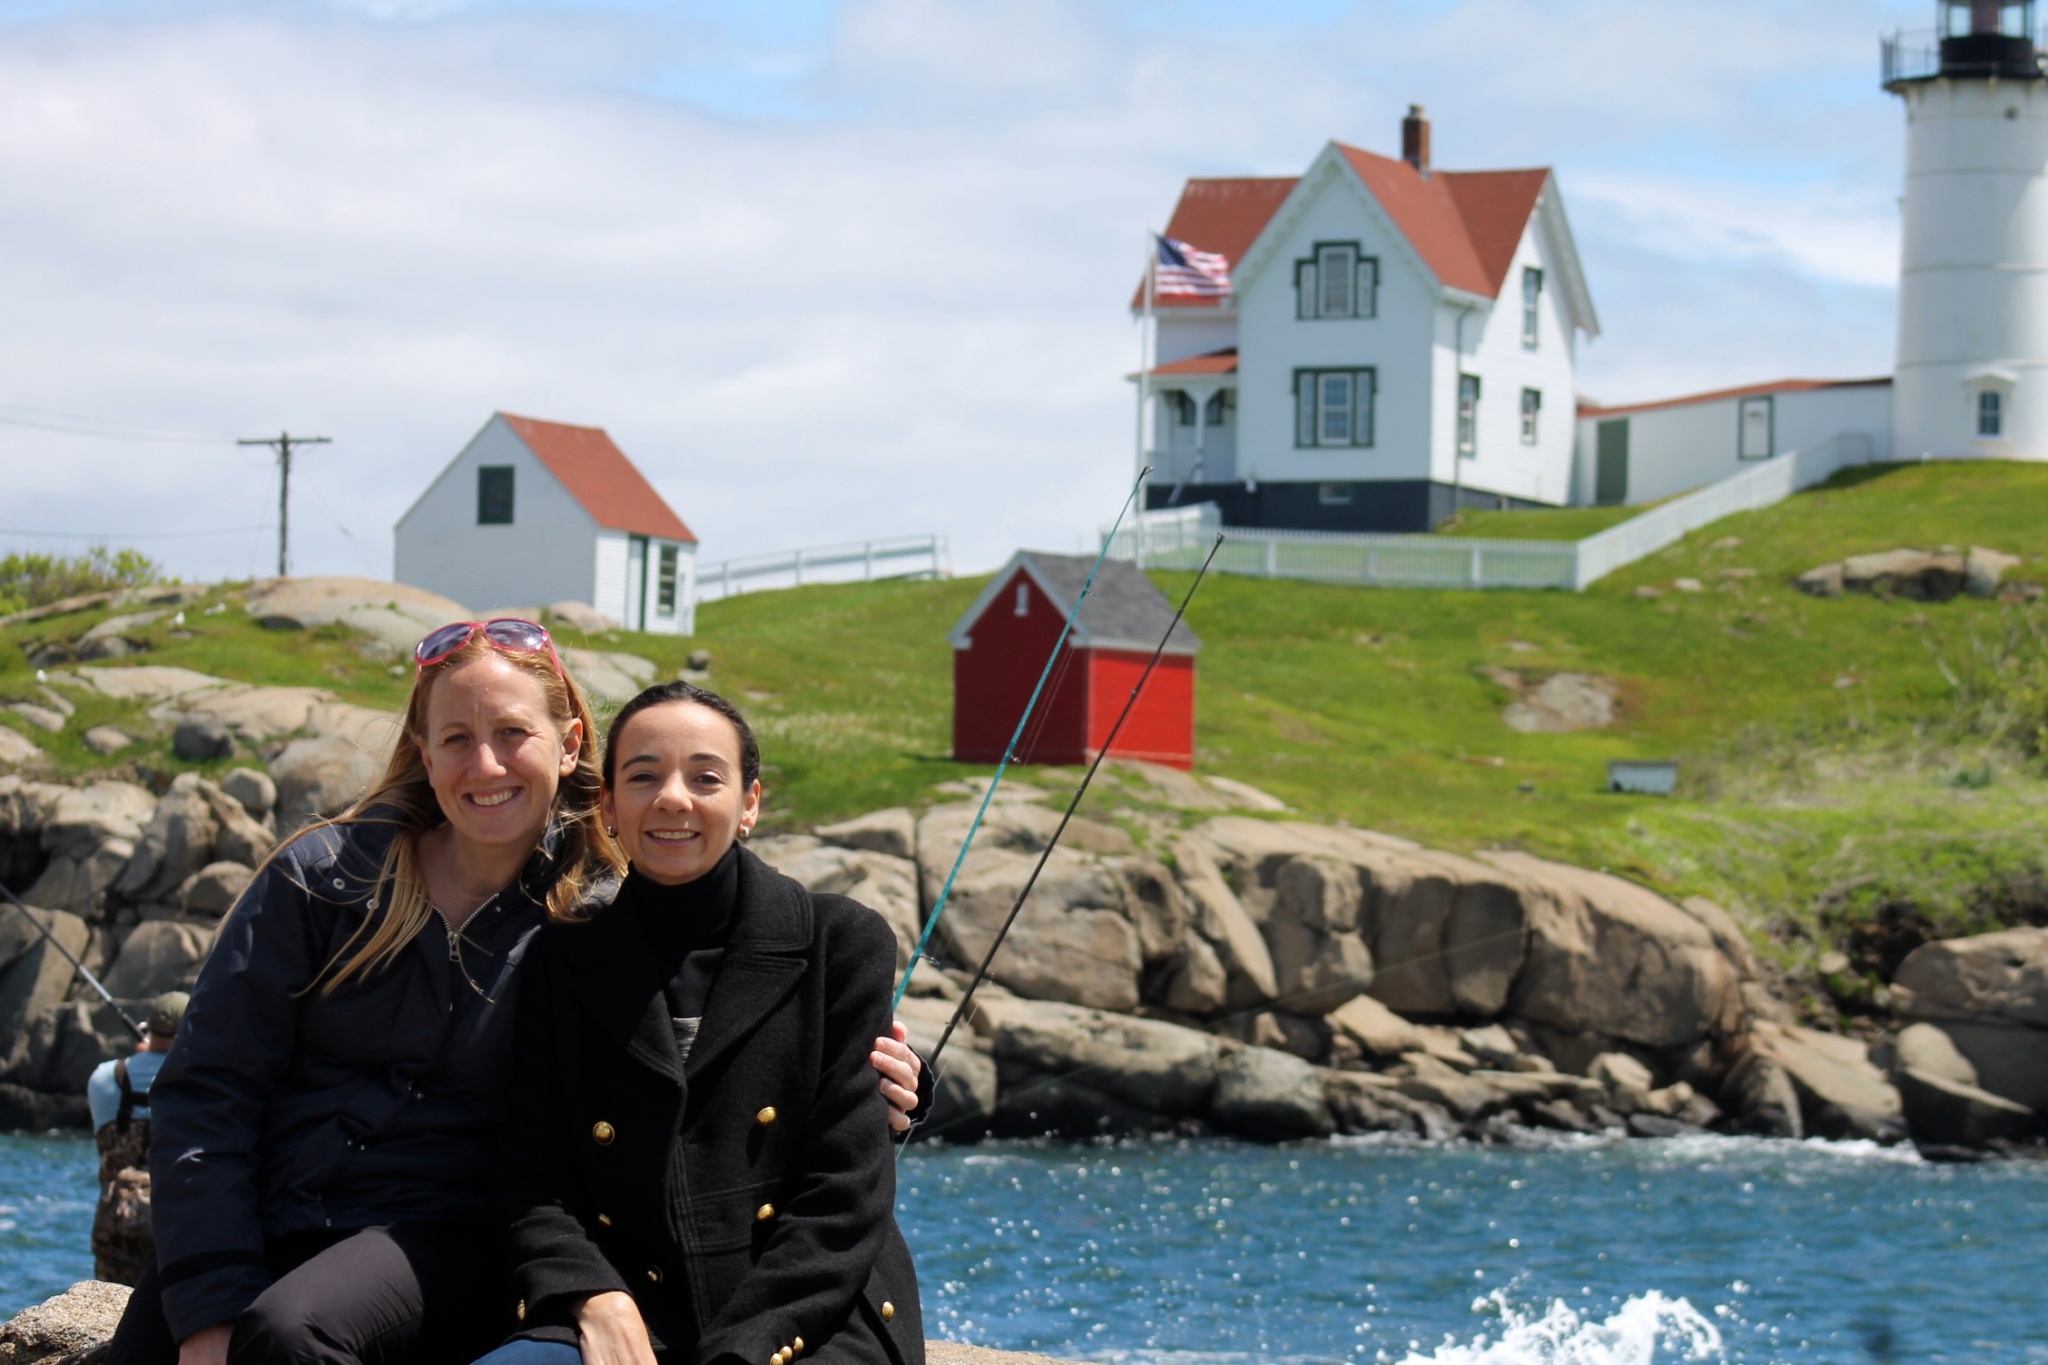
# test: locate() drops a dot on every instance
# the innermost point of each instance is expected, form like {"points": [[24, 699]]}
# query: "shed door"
{"points": [[1756, 428], [636, 583], [1610, 472]]}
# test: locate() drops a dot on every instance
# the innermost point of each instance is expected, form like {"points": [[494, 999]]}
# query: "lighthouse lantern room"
{"points": [[1972, 376]]}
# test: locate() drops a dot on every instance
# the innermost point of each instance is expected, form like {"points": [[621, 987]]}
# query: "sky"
{"points": [[826, 269]]}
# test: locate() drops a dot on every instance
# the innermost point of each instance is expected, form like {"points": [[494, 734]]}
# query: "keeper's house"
{"points": [[1001, 644], [539, 512], [1397, 340]]}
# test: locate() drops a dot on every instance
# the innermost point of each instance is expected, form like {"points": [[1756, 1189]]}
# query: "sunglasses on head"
{"points": [[507, 635]]}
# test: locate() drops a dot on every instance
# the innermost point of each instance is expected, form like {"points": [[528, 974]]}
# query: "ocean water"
{"points": [[1220, 1253]]}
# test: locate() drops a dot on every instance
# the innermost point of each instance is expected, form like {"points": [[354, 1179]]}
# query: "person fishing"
{"points": [[696, 1170], [323, 1127], [117, 1093]]}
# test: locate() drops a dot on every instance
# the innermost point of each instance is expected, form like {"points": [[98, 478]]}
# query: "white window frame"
{"points": [[1313, 271], [1532, 412], [1532, 307], [668, 558], [1311, 417], [1023, 597], [1468, 416]]}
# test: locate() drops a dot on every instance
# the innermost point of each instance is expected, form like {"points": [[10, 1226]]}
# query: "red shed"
{"points": [[1000, 645]]}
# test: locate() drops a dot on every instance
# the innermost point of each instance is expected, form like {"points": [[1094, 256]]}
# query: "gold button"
{"points": [[796, 1347], [605, 1219], [888, 1310], [602, 1133], [766, 1116], [764, 1213], [782, 1356], [520, 1312], [654, 1274]]}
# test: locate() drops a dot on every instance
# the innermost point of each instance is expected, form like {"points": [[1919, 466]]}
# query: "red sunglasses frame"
{"points": [[475, 628]]}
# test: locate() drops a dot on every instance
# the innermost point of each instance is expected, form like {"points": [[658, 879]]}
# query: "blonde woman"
{"points": [[323, 1129]]}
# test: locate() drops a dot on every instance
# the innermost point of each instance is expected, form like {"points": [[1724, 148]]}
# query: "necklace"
{"points": [[456, 939]]}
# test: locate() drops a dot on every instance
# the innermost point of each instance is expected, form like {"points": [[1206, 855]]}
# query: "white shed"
{"points": [[538, 512], [1646, 452]]}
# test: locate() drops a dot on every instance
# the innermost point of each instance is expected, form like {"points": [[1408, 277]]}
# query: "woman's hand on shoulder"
{"points": [[610, 1330], [207, 1346], [900, 1067]]}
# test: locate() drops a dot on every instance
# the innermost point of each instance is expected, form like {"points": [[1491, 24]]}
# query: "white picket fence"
{"points": [[1180, 538], [853, 561]]}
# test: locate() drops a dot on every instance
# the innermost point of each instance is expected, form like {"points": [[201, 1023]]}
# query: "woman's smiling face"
{"points": [[493, 754], [676, 797]]}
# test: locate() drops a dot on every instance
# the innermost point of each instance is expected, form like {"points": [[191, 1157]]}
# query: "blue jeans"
{"points": [[533, 1353]]}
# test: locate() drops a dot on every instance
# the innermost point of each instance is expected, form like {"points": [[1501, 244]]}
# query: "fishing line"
{"points": [[1009, 754], [69, 956], [1108, 743]]}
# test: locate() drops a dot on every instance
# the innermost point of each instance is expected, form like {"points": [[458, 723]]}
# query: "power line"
{"points": [[114, 428], [131, 535], [282, 443]]}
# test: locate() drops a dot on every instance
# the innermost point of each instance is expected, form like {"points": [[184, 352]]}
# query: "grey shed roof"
{"points": [[1123, 610]]}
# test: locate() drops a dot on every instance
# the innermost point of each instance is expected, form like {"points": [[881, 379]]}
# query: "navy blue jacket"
{"points": [[285, 1109]]}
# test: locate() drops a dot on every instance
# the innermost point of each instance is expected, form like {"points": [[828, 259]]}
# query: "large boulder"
{"points": [[214, 889], [317, 778], [158, 955], [1944, 1104], [37, 976], [83, 818], [1610, 957], [2002, 975], [1269, 1095], [254, 790], [77, 1323], [1221, 920], [892, 832], [327, 600], [80, 885], [177, 843], [1071, 942], [69, 1042], [1913, 574], [1760, 1095], [1320, 960], [1158, 1067], [1842, 1094], [1448, 934], [885, 884]]}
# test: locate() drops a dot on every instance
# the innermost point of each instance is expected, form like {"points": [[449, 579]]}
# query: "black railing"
{"points": [[1925, 54]]}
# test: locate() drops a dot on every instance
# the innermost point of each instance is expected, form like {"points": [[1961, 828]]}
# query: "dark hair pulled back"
{"points": [[664, 694]]}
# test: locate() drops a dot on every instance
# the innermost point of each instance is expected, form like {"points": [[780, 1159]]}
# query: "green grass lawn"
{"points": [[1823, 765], [1539, 523]]}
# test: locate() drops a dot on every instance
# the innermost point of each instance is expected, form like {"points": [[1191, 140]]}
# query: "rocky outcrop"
{"points": [[1972, 1066], [73, 1328], [1920, 575]]}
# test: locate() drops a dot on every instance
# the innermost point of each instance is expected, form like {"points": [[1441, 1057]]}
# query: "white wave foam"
{"points": [[1632, 1335]]}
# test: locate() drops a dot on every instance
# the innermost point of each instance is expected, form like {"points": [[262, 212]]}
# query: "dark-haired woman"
{"points": [[323, 1128], [698, 1171]]}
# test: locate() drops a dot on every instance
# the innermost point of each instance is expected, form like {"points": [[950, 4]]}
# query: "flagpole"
{"points": [[1147, 349]]}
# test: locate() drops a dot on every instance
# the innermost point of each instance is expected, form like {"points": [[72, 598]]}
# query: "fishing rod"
{"points": [[1016, 742], [50, 938], [1017, 905]]}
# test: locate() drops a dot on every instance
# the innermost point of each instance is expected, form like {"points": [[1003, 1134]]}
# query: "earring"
{"points": [[745, 830], [612, 830]]}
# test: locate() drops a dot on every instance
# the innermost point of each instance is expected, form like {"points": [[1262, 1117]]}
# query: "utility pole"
{"points": [[282, 443]]}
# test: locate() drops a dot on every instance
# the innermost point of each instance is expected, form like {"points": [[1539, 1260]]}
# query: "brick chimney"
{"points": [[1415, 138]]}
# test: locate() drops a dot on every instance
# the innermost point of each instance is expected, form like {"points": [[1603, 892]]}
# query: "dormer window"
{"points": [[1337, 282]]}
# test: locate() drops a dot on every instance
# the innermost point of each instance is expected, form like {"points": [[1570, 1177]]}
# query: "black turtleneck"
{"points": [[687, 927]]}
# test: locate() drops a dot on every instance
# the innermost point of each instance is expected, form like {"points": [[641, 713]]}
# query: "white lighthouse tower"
{"points": [[1972, 376]]}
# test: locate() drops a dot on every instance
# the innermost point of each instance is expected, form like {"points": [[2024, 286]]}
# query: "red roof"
{"points": [[1223, 216], [1591, 409], [1464, 224], [600, 477], [1215, 362]]}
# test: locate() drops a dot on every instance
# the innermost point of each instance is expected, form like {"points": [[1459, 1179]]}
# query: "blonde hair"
{"points": [[404, 796]]}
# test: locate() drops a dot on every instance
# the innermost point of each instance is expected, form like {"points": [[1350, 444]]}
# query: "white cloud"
{"points": [[893, 307]]}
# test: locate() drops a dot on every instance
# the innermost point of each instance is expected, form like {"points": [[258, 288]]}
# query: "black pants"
{"points": [[413, 1294]]}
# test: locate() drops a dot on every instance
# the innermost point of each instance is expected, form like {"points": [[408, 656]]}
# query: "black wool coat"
{"points": [[744, 1199]]}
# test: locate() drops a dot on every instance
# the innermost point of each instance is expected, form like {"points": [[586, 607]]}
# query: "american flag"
{"points": [[1183, 272]]}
